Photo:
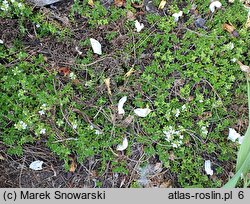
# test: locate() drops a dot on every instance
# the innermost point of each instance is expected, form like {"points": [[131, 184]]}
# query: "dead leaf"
{"points": [[162, 4], [230, 29], [120, 3], [91, 3], [158, 167], [205, 115], [138, 6], [171, 156], [107, 83], [73, 164], [248, 22], [166, 184], [243, 67], [127, 121], [65, 71], [1, 157], [76, 81], [130, 16], [131, 71]]}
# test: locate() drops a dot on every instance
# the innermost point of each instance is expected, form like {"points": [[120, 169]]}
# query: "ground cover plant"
{"points": [[177, 74]]}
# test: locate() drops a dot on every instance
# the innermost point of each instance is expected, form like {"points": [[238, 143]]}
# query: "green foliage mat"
{"points": [[187, 76]]}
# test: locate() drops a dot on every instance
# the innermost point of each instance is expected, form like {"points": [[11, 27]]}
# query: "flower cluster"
{"points": [[204, 130], [5, 5], [173, 136], [21, 125], [43, 108]]}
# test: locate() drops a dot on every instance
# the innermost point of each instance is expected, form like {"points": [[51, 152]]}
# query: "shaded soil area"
{"points": [[15, 172]]}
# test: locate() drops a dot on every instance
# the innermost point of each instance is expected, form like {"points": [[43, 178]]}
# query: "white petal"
{"points": [[240, 139], [36, 165], [213, 5], [41, 112], [77, 49], [96, 46], [139, 26], [233, 135], [98, 132], [120, 105], [208, 169], [122, 146], [142, 112], [1, 42], [177, 15]]}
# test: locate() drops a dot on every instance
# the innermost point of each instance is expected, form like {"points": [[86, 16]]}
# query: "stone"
{"points": [[43, 2], [200, 23]]}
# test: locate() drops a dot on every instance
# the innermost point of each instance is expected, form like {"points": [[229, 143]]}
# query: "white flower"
{"points": [[176, 144], [72, 76], [122, 146], [16, 71], [234, 60], [59, 122], [5, 5], [233, 135], [98, 132], [204, 130], [96, 46], [142, 112], [38, 25], [74, 126], [120, 105], [36, 165], [41, 112], [44, 105], [177, 16], [19, 5], [240, 139], [177, 113], [208, 169], [168, 135], [230, 45], [1, 42], [43, 131], [183, 107], [213, 5], [23, 125], [139, 26]]}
